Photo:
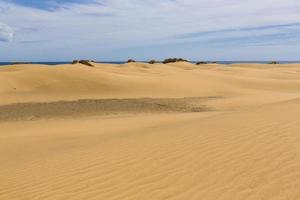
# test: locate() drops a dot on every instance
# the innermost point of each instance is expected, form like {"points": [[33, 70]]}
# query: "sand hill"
{"points": [[140, 131]]}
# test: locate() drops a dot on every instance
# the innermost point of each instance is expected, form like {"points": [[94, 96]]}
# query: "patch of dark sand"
{"points": [[94, 107]]}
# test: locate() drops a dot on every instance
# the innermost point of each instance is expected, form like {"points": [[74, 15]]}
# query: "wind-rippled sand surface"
{"points": [[139, 131]]}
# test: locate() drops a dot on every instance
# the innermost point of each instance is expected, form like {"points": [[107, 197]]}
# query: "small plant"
{"points": [[273, 63], [169, 60], [152, 62], [84, 62], [201, 63], [130, 61], [181, 60], [173, 60]]}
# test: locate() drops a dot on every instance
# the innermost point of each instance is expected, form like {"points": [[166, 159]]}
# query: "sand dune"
{"points": [[139, 131]]}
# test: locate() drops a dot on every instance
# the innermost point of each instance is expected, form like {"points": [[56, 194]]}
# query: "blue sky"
{"points": [[107, 30], [48, 4]]}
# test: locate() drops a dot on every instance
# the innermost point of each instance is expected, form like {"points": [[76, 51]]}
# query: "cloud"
{"points": [[6, 33], [98, 28], [271, 34]]}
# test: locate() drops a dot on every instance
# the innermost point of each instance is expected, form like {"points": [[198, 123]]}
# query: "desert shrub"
{"points": [[181, 60], [130, 61], [173, 60], [201, 63], [169, 60], [84, 62], [152, 62], [273, 62]]}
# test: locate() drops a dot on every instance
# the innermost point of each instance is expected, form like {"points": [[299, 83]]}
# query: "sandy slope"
{"points": [[142, 132]]}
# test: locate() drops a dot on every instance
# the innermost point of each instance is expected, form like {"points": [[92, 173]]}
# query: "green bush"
{"points": [[173, 60], [130, 61], [273, 62], [201, 63], [84, 62], [153, 62]]}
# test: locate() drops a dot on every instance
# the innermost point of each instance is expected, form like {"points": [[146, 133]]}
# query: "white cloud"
{"points": [[116, 24], [6, 33]]}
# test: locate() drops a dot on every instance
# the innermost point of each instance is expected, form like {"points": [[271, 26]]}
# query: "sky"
{"points": [[116, 30]]}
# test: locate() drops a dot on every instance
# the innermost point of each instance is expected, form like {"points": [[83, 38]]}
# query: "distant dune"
{"points": [[150, 131]]}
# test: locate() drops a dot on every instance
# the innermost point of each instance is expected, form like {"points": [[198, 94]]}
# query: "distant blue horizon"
{"points": [[123, 62]]}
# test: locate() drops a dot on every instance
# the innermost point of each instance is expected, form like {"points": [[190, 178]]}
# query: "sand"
{"points": [[141, 131]]}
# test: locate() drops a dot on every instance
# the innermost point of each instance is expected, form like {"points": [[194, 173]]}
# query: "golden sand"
{"points": [[139, 131]]}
